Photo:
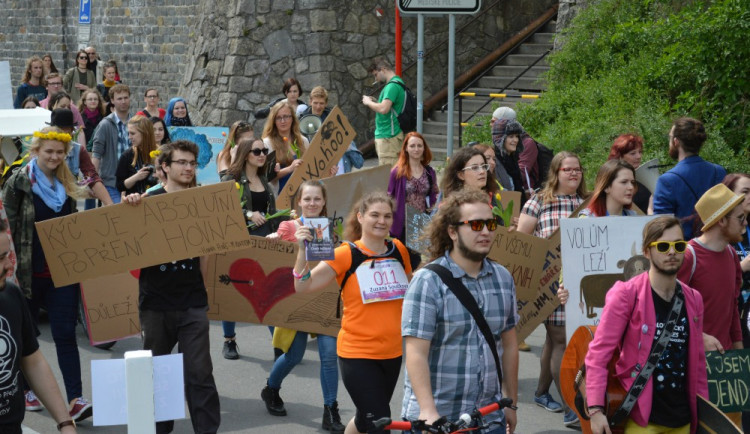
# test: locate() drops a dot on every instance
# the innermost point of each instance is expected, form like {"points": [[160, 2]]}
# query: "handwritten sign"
{"points": [[256, 285], [167, 227], [416, 222], [597, 252], [728, 379], [111, 307], [535, 265], [328, 146]]}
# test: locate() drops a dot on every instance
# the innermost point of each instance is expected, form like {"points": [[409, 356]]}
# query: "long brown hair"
{"points": [[604, 179], [553, 179], [148, 144], [283, 149], [352, 228], [313, 183], [402, 164], [27, 74], [82, 102], [452, 183], [244, 147], [62, 172], [238, 128]]}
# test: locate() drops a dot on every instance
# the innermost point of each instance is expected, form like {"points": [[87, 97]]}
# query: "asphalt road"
{"points": [[240, 381]]}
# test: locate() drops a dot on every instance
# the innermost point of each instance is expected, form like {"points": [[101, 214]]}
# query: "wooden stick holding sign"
{"points": [[328, 146], [167, 227]]}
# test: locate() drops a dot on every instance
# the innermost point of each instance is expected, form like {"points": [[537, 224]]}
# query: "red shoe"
{"points": [[82, 409], [32, 404]]}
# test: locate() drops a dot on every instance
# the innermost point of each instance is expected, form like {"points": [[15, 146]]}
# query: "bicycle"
{"points": [[466, 423]]}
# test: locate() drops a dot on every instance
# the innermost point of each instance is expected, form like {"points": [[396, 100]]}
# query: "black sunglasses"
{"points": [[83, 57], [478, 225], [663, 246], [257, 151]]}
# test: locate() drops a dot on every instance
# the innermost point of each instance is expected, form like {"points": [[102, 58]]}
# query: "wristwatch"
{"points": [[65, 423]]}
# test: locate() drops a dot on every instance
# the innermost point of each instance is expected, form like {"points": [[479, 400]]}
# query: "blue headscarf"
{"points": [[174, 122], [52, 193]]}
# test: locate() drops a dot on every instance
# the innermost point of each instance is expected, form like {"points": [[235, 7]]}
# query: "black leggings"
{"points": [[370, 384]]}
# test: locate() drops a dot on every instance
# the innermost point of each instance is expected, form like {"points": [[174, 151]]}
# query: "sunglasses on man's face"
{"points": [[257, 151], [478, 225], [664, 246]]}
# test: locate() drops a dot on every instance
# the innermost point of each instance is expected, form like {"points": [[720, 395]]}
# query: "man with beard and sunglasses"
{"points": [[635, 314], [450, 367], [680, 187]]}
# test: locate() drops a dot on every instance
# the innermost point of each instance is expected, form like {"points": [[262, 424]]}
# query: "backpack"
{"points": [[358, 258], [407, 119], [543, 161]]}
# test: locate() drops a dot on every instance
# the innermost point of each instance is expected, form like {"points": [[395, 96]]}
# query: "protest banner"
{"points": [[416, 222], [111, 307], [596, 253], [210, 141], [256, 285], [535, 265], [163, 228], [328, 146], [728, 379]]}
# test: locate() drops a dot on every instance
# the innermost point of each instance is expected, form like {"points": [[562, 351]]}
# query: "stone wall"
{"points": [[230, 60]]}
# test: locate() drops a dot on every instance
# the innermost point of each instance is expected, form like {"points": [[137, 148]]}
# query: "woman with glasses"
{"points": [[469, 168], [239, 130], [177, 113], [91, 108], [79, 77], [562, 194], [151, 98], [282, 137], [413, 182]]}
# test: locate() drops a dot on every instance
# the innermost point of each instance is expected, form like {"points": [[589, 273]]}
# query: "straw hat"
{"points": [[715, 203]]}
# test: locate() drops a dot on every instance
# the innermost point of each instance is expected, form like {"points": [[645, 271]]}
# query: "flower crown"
{"points": [[53, 135], [154, 154]]}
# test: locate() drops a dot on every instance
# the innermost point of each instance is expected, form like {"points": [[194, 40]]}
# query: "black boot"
{"points": [[274, 403], [332, 419]]}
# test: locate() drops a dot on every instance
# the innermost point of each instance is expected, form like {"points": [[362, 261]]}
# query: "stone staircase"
{"points": [[434, 128]]}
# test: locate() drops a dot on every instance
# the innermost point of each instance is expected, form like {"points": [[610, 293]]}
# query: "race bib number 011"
{"points": [[381, 280]]}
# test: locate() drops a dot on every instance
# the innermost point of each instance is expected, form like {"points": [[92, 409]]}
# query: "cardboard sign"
{"points": [[535, 265], [167, 227], [328, 146], [597, 252], [111, 306], [729, 379], [416, 222], [256, 285], [210, 141]]}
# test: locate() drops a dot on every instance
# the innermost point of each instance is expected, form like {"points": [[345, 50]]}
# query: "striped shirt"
{"points": [[462, 369]]}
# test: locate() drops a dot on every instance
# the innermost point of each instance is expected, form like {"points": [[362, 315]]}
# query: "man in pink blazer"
{"points": [[634, 315]]}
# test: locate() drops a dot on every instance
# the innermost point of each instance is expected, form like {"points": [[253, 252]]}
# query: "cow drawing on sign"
{"points": [[594, 287]]}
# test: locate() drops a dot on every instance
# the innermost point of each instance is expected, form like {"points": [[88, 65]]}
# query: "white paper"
{"points": [[109, 390]]}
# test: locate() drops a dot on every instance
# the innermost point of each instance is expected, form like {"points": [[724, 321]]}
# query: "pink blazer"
{"points": [[628, 324]]}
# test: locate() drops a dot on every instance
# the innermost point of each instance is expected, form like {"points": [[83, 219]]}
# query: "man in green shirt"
{"points": [[388, 134]]}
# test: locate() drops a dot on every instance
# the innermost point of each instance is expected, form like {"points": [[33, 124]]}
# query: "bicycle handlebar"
{"points": [[441, 424]]}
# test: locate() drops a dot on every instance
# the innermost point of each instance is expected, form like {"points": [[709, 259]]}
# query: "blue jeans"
{"points": [[114, 193], [284, 364], [329, 368], [228, 327], [90, 204], [62, 309]]}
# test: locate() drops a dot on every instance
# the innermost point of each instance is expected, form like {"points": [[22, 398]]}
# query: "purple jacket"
{"points": [[397, 190], [629, 320]]}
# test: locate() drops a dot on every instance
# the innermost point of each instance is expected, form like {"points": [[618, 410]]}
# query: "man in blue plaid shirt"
{"points": [[450, 369]]}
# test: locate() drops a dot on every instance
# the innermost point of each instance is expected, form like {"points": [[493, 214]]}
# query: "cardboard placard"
{"points": [[729, 379], [328, 146], [535, 265], [167, 227], [597, 252], [256, 285], [111, 306], [416, 222]]}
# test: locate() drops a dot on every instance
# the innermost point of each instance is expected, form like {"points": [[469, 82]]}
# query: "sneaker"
{"points": [[82, 409], [332, 419], [571, 419], [32, 404], [548, 403], [523, 346], [230, 350], [274, 403]]}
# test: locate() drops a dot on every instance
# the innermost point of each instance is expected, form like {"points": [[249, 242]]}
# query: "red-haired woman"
{"points": [[413, 181], [629, 147]]}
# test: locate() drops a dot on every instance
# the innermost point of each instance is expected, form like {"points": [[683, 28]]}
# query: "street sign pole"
{"points": [[420, 71], [451, 78]]}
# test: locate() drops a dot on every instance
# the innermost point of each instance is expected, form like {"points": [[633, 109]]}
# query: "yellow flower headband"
{"points": [[154, 154], [52, 135]]}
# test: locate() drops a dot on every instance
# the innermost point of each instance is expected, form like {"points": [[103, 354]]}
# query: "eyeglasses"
{"points": [[284, 118], [55, 84], [664, 246], [571, 170], [83, 58], [741, 217], [477, 168], [184, 163], [152, 96], [478, 225], [258, 151]]}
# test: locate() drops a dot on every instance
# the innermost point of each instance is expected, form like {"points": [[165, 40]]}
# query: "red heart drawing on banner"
{"points": [[263, 292]]}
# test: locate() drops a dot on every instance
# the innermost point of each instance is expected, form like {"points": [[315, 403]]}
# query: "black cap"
{"points": [[62, 118]]}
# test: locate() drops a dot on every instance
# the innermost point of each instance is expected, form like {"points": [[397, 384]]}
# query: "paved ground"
{"points": [[239, 383]]}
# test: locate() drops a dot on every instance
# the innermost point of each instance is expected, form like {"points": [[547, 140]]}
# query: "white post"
{"points": [[139, 377]]}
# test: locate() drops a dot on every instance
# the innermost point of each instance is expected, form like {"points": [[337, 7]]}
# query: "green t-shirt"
{"points": [[386, 126]]}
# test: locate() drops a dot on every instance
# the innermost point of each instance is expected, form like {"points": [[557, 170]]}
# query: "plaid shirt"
{"points": [[462, 370], [548, 215]]}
